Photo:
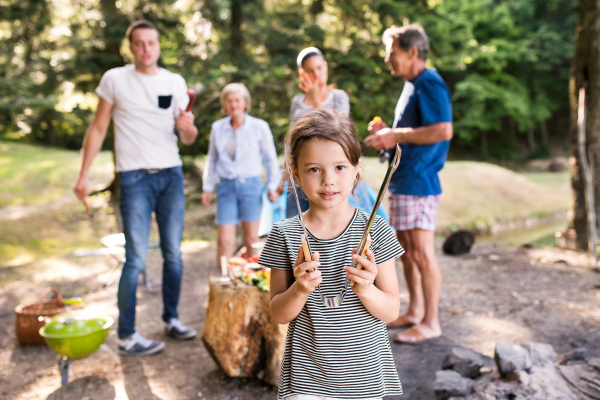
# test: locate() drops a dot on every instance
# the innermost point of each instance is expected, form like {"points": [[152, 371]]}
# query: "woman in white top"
{"points": [[239, 145], [313, 71]]}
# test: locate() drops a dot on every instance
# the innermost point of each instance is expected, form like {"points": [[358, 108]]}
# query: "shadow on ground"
{"points": [[90, 387]]}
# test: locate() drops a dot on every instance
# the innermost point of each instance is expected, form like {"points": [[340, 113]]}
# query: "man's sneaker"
{"points": [[179, 331], [138, 345]]}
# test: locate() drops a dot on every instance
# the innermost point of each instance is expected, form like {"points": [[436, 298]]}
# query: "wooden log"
{"points": [[239, 334]]}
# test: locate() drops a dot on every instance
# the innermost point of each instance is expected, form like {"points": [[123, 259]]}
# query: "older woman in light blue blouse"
{"points": [[239, 145]]}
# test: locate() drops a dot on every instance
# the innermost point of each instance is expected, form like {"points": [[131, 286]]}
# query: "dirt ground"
{"points": [[496, 293]]}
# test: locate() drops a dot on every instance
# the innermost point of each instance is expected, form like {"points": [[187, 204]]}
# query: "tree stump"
{"points": [[239, 334]]}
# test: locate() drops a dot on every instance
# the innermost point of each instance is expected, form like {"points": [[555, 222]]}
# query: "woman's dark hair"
{"points": [[324, 125], [308, 53]]}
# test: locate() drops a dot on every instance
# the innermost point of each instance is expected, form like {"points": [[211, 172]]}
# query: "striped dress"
{"points": [[341, 352]]}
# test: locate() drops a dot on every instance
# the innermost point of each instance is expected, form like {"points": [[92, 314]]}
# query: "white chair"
{"points": [[115, 244]]}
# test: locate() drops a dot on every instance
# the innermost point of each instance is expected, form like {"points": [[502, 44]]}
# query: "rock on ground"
{"points": [[511, 358], [450, 383], [541, 353], [579, 354], [464, 361]]}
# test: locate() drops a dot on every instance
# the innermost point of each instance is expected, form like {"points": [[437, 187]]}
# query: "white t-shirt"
{"points": [[144, 112]]}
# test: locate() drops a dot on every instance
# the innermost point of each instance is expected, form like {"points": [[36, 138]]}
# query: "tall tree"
{"points": [[585, 72]]}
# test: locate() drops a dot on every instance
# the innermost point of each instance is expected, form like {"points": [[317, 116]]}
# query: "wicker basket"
{"points": [[30, 317]]}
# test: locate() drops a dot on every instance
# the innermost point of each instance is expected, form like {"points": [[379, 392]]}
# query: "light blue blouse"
{"points": [[254, 146]]}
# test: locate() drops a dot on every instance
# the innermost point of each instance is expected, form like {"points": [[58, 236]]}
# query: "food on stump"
{"points": [[260, 278], [237, 261]]}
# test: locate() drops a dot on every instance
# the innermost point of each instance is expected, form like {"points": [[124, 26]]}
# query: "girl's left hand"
{"points": [[363, 279]]}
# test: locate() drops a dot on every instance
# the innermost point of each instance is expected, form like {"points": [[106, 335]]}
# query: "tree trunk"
{"points": [[484, 146], [512, 128], [531, 140], [113, 32], [585, 72], [50, 136], [544, 132], [236, 30], [239, 333]]}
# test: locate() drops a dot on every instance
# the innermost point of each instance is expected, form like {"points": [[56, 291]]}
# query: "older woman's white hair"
{"points": [[235, 88]]}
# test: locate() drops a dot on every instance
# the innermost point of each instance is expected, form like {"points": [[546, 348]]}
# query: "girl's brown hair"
{"points": [[325, 125]]}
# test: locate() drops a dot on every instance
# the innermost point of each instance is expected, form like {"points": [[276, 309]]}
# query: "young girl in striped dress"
{"points": [[342, 352]]}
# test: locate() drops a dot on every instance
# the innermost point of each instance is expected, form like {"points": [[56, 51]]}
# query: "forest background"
{"points": [[506, 62]]}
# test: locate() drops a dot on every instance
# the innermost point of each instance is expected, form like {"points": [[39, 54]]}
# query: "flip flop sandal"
{"points": [[406, 325], [411, 332]]}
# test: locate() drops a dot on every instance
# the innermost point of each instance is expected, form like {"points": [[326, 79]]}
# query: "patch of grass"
{"points": [[31, 175], [541, 236], [551, 179], [477, 194], [54, 232]]}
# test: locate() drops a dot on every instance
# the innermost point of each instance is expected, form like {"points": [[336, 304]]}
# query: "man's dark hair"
{"points": [[407, 37], [142, 24]]}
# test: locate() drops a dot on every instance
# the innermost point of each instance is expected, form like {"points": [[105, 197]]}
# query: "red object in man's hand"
{"points": [[192, 96]]}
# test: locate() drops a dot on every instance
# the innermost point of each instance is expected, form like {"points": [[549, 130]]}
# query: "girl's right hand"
{"points": [[206, 197], [307, 281]]}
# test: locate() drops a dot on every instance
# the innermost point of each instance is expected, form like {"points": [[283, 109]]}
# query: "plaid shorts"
{"points": [[409, 212]]}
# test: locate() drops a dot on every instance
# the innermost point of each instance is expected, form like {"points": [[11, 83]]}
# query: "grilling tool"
{"points": [[336, 301], [363, 254], [365, 240], [304, 237], [87, 208]]}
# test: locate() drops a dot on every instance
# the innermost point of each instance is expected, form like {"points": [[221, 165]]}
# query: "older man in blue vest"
{"points": [[423, 128]]}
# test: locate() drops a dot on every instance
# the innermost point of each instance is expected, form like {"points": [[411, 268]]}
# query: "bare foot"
{"points": [[417, 334], [404, 320]]}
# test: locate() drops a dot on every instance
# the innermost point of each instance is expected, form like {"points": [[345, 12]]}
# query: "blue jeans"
{"points": [[141, 194]]}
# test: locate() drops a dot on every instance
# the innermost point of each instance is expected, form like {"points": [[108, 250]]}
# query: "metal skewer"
{"points": [[336, 301], [386, 182], [304, 238]]}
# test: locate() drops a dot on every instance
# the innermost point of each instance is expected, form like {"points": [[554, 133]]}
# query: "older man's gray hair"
{"points": [[235, 88], [407, 37]]}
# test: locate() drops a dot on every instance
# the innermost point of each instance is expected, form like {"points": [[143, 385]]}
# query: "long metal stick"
{"points": [[292, 182], [386, 182], [305, 244]]}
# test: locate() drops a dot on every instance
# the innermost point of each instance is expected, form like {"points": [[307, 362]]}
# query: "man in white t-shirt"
{"points": [[146, 103]]}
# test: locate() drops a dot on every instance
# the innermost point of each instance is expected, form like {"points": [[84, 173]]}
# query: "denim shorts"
{"points": [[239, 199]]}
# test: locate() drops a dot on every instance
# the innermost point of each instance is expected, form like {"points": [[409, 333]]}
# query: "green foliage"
{"points": [[506, 62]]}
